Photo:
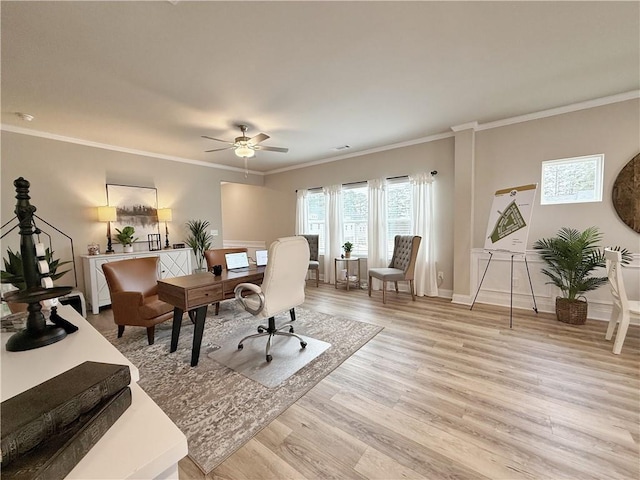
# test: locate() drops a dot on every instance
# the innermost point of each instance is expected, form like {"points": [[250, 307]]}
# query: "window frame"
{"points": [[598, 181]]}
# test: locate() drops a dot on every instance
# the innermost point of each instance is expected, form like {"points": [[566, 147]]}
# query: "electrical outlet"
{"points": [[214, 233]]}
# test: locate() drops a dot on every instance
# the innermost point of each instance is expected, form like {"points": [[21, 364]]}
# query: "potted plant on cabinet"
{"points": [[347, 247], [571, 257], [199, 240], [126, 238]]}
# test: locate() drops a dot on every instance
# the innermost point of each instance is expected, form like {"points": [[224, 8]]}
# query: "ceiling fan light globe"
{"points": [[244, 152]]}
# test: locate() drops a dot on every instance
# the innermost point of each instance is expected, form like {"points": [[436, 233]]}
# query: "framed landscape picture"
{"points": [[135, 206]]}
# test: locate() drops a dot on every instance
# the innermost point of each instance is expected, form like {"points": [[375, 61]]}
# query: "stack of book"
{"points": [[49, 428]]}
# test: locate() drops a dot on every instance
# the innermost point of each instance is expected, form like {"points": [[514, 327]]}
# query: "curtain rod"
{"points": [[433, 172]]}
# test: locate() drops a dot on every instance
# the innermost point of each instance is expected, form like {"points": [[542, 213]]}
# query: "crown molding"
{"points": [[115, 148], [465, 126], [552, 112], [430, 138]]}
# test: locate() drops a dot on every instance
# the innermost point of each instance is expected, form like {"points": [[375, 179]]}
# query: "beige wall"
{"points": [[501, 157], [68, 183], [437, 155], [512, 155]]}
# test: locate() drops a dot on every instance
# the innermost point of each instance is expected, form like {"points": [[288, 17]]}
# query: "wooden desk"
{"points": [[145, 442], [197, 292]]}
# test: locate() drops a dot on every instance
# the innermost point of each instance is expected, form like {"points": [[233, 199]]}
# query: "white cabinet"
{"points": [[173, 263]]}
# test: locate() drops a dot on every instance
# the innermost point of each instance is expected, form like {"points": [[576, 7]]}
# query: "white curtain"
{"points": [[377, 227], [426, 282], [301, 211], [332, 230]]}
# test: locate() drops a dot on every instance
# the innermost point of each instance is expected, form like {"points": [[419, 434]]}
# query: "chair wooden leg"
{"points": [[413, 297], [151, 334], [384, 292], [396, 284], [317, 277], [369, 285], [622, 332], [120, 330], [615, 314]]}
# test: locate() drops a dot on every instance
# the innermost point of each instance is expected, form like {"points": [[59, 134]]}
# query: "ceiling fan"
{"points": [[244, 146]]}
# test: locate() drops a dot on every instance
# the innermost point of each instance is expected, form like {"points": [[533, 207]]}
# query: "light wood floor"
{"points": [[444, 392]]}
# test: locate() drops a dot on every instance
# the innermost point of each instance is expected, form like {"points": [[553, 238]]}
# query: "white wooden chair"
{"points": [[623, 308]]}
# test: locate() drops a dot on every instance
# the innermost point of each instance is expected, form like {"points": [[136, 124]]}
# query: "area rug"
{"points": [[218, 408]]}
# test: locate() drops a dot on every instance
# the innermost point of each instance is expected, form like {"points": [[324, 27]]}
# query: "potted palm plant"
{"points": [[126, 238], [199, 240], [571, 257]]}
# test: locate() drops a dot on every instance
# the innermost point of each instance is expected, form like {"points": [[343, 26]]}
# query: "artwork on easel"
{"points": [[135, 206], [510, 219]]}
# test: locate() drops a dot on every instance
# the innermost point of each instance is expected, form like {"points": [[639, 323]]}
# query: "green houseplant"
{"points": [[199, 240], [347, 247], [571, 257], [126, 238]]}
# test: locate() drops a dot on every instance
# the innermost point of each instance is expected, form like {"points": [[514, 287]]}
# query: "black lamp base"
{"points": [[25, 340]]}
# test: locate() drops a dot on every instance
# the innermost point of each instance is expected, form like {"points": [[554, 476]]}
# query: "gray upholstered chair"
{"points": [[282, 289], [314, 264], [402, 266]]}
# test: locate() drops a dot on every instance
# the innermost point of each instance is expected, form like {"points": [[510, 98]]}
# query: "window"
{"points": [[399, 200], [355, 214], [355, 211], [572, 180], [315, 215]]}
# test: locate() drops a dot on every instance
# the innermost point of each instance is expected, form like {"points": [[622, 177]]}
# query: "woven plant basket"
{"points": [[571, 311]]}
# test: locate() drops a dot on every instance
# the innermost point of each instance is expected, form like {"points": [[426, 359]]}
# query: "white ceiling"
{"points": [[155, 76]]}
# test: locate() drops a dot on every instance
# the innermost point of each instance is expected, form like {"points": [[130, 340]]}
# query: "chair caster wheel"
{"points": [[303, 344], [269, 358], [260, 330], [240, 346], [291, 330]]}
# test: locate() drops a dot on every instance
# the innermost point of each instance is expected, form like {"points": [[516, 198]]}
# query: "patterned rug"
{"points": [[217, 408]]}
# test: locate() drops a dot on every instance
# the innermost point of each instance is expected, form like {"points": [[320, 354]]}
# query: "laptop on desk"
{"points": [[237, 262], [261, 258]]}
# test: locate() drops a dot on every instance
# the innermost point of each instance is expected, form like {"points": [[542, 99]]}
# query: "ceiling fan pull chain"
{"points": [[246, 168]]}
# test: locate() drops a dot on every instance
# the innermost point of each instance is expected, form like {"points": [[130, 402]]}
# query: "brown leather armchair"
{"points": [[133, 285], [216, 256]]}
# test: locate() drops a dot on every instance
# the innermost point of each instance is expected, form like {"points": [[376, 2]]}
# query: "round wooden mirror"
{"points": [[626, 194]]}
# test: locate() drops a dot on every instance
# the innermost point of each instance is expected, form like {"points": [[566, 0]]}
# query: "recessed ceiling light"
{"points": [[342, 147], [24, 116]]}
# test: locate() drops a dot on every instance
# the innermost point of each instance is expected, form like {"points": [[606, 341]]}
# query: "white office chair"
{"points": [[623, 308], [282, 289]]}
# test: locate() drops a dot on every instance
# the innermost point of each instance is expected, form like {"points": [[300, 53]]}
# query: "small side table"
{"points": [[355, 279]]}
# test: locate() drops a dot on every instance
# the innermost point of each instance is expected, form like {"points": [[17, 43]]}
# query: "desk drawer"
{"points": [[204, 295]]}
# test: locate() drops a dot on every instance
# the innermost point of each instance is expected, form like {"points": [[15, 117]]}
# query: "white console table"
{"points": [[173, 263], [142, 443]]}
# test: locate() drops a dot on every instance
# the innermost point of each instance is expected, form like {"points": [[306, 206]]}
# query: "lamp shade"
{"points": [[164, 215], [244, 151], [107, 214]]}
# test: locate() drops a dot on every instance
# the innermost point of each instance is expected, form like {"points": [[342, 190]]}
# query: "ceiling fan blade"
{"points": [[218, 149], [271, 149], [217, 139], [261, 137]]}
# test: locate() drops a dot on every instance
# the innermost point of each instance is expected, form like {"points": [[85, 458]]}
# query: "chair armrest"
{"points": [[257, 292], [125, 307]]}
